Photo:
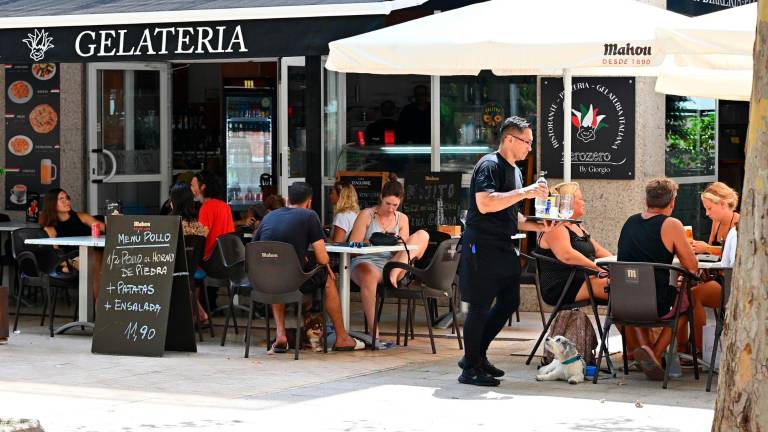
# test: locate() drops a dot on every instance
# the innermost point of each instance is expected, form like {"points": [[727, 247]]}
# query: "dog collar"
{"points": [[571, 360]]}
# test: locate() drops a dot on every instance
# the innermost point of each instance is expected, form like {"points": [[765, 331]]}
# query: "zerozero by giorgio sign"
{"points": [[602, 128]]}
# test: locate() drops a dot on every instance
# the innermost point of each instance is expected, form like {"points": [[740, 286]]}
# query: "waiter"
{"points": [[490, 264]]}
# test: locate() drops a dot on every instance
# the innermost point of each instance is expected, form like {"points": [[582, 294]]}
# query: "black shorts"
{"points": [[486, 268], [316, 282]]}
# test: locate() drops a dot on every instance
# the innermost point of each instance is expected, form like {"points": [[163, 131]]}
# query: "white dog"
{"points": [[567, 365]]}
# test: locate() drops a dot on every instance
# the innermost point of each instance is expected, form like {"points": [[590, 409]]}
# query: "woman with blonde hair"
{"points": [[345, 212], [571, 244], [720, 202]]}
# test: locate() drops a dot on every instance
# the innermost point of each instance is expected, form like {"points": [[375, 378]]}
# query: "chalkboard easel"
{"points": [[144, 306]]}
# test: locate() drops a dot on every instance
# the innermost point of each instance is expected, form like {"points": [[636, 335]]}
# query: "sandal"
{"points": [[359, 345], [648, 364], [279, 349]]}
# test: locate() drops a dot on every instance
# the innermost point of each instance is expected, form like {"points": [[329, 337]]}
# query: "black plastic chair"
{"points": [[216, 275], [37, 267], [276, 276], [560, 306], [434, 281], [725, 294], [232, 252], [633, 303], [194, 247]]}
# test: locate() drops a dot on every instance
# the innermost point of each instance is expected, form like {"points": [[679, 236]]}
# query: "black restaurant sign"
{"points": [[181, 41], [602, 128], [701, 7]]}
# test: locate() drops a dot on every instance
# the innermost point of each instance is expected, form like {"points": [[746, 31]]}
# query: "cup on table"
{"points": [[715, 250], [48, 171], [688, 232], [553, 206], [566, 206]]}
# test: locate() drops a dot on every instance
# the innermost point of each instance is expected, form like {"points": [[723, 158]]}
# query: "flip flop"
{"points": [[359, 345], [279, 349], [647, 364]]}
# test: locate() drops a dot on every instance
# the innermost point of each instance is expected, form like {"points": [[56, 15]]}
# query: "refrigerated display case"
{"points": [[250, 144]]}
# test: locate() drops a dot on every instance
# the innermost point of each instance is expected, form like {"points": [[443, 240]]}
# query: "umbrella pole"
{"points": [[567, 90]]}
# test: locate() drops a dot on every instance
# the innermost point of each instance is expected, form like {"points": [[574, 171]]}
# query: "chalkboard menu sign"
{"points": [[143, 260], [432, 199], [367, 184], [602, 128], [32, 123]]}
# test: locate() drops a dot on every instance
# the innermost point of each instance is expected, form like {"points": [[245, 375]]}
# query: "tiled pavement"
{"points": [[59, 382]]}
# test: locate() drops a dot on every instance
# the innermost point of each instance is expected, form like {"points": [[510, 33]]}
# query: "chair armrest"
{"points": [[388, 267], [587, 270], [680, 270], [312, 272], [25, 259]]}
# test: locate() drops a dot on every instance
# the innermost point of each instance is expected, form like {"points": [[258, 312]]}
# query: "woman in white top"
{"points": [[345, 212], [708, 294]]}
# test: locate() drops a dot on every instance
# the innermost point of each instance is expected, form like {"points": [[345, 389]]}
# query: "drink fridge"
{"points": [[250, 137]]}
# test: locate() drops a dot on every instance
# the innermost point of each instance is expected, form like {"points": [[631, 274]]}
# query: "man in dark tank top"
{"points": [[656, 237]]}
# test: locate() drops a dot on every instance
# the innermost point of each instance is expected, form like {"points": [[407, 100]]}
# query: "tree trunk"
{"points": [[742, 391]]}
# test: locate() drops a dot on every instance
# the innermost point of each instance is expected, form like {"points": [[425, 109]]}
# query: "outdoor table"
{"points": [[345, 273], [702, 264], [86, 245]]}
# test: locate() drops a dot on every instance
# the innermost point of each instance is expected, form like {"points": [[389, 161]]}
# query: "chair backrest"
{"points": [[4, 217], [633, 291], [440, 271], [46, 256], [232, 252], [273, 267], [436, 238], [214, 266], [194, 246]]}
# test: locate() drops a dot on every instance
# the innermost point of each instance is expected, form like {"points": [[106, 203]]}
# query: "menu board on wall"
{"points": [[367, 184], [602, 128], [32, 118], [432, 199], [144, 263]]}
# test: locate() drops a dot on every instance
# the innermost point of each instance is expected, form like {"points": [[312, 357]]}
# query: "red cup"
{"points": [[95, 231]]}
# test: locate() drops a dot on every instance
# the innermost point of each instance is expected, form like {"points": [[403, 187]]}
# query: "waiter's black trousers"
{"points": [[483, 323]]}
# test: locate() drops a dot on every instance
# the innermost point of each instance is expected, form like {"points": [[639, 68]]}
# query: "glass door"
{"points": [[128, 136], [292, 122]]}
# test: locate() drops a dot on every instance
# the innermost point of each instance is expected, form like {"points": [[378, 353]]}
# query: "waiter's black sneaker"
{"points": [[478, 377], [486, 366]]}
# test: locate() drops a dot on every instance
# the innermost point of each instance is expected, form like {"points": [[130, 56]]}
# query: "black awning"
{"points": [[138, 30], [182, 41], [34, 8]]}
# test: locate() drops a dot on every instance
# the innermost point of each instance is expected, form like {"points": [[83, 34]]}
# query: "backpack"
{"points": [[574, 325]]}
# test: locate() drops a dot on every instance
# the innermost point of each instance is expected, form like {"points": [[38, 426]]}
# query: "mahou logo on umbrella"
{"points": [[38, 43], [588, 122]]}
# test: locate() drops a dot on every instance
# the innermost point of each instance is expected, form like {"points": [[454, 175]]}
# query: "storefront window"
{"points": [[471, 108], [690, 131], [388, 125], [691, 156]]}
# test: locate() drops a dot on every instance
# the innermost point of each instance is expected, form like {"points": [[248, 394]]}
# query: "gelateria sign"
{"points": [[180, 41], [602, 128]]}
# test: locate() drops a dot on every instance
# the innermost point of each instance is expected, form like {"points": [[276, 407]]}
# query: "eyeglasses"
{"points": [[530, 143]]}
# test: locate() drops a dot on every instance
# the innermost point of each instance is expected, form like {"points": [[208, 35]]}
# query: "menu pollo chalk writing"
{"points": [[139, 262]]}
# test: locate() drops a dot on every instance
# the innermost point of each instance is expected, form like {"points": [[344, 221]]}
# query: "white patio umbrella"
{"points": [[516, 37], [709, 56]]}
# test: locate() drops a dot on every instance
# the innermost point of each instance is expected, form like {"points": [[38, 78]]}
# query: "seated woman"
{"points": [[570, 244], [59, 220], [367, 268], [183, 204], [252, 218], [720, 202], [344, 213]]}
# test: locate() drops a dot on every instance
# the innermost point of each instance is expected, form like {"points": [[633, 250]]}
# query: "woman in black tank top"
{"points": [[720, 203], [570, 244], [59, 220]]}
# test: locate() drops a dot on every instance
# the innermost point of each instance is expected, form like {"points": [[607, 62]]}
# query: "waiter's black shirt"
{"points": [[493, 174]]}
